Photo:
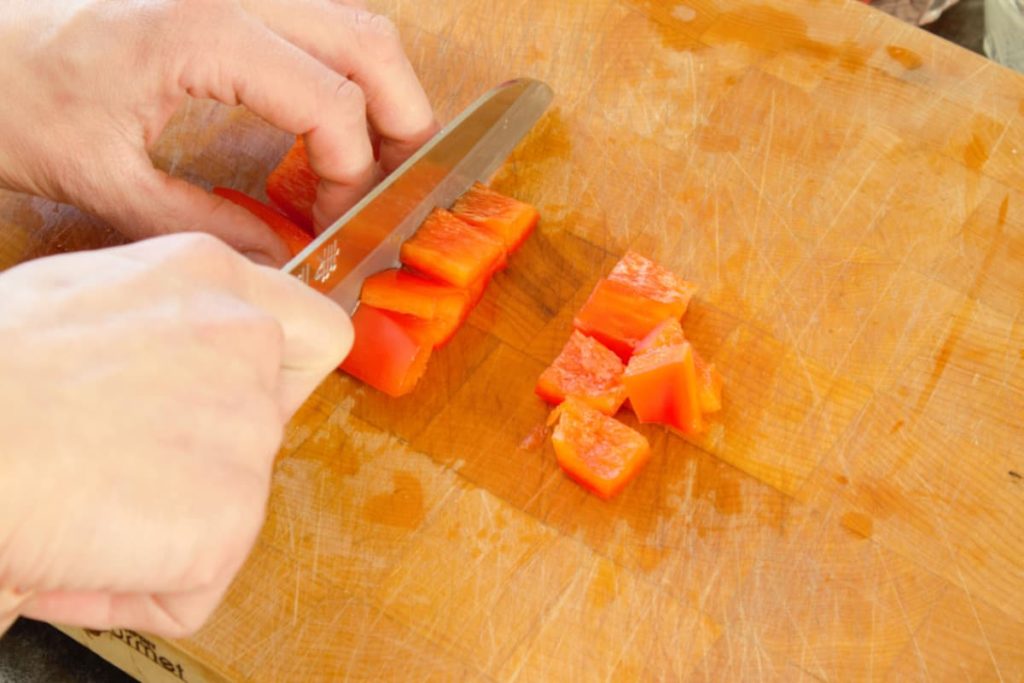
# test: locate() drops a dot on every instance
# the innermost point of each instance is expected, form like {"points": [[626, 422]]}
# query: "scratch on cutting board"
{"points": [[966, 310], [890, 579], [764, 166], [872, 639], [319, 521], [295, 601], [974, 609], [718, 253], [876, 302]]}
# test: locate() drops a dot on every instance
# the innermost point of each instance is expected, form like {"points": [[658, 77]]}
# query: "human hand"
{"points": [[92, 83], [143, 394]]}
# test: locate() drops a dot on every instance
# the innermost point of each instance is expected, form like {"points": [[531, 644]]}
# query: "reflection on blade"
{"points": [[367, 239]]}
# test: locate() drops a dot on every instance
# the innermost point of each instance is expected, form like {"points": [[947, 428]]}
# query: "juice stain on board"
{"points": [[908, 59], [402, 507]]}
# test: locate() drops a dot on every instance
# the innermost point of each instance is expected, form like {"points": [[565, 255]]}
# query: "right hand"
{"points": [[89, 85], [143, 395]]}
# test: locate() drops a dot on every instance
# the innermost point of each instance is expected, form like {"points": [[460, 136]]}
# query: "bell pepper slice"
{"points": [[597, 451], [709, 381], [635, 298], [509, 218], [294, 237], [618, 317], [405, 292], [585, 370], [449, 249], [649, 280], [662, 385], [667, 333], [435, 332], [386, 354], [292, 185]]}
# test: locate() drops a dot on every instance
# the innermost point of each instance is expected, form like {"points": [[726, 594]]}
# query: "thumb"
{"points": [[142, 201], [317, 332]]}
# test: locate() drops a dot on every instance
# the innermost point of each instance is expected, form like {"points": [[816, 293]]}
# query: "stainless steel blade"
{"points": [[367, 239]]}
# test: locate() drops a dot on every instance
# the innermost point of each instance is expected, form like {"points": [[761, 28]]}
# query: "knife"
{"points": [[368, 237]]}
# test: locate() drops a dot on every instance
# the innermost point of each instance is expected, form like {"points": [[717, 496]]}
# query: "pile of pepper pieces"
{"points": [[628, 342]]}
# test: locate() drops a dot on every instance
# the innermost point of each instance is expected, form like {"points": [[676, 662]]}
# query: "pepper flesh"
{"points": [[596, 451], [291, 186], [386, 354], [661, 384], [586, 370], [509, 218], [451, 250], [295, 238]]}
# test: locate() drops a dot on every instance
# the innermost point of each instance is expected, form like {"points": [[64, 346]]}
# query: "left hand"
{"points": [[91, 84]]}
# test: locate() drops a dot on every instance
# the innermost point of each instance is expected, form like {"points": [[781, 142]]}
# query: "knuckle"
{"points": [[378, 36], [203, 246], [383, 27], [348, 94]]}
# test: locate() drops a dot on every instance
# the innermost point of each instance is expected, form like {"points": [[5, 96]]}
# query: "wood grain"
{"points": [[849, 193]]}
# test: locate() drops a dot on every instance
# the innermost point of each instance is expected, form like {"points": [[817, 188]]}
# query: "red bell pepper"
{"points": [[509, 218], [405, 292], [451, 250], [634, 299], [294, 237], [651, 281], [586, 370], [709, 381], [598, 452], [433, 331], [292, 185], [667, 333], [386, 354], [661, 384]]}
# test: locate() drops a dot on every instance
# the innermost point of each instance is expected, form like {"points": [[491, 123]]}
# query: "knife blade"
{"points": [[368, 237]]}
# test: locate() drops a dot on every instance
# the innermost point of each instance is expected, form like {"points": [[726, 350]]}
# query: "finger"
{"points": [[142, 201], [366, 48], [317, 332], [172, 615], [295, 92]]}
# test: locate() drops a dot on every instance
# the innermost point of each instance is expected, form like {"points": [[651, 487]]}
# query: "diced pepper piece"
{"points": [[294, 237], [667, 333], [451, 250], [661, 384], [433, 331], [709, 381], [598, 452], [292, 185], [405, 292], [649, 280], [586, 370], [386, 355], [709, 385], [509, 218], [634, 299], [618, 317]]}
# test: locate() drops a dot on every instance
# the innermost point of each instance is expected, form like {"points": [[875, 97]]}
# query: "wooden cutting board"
{"points": [[849, 192]]}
